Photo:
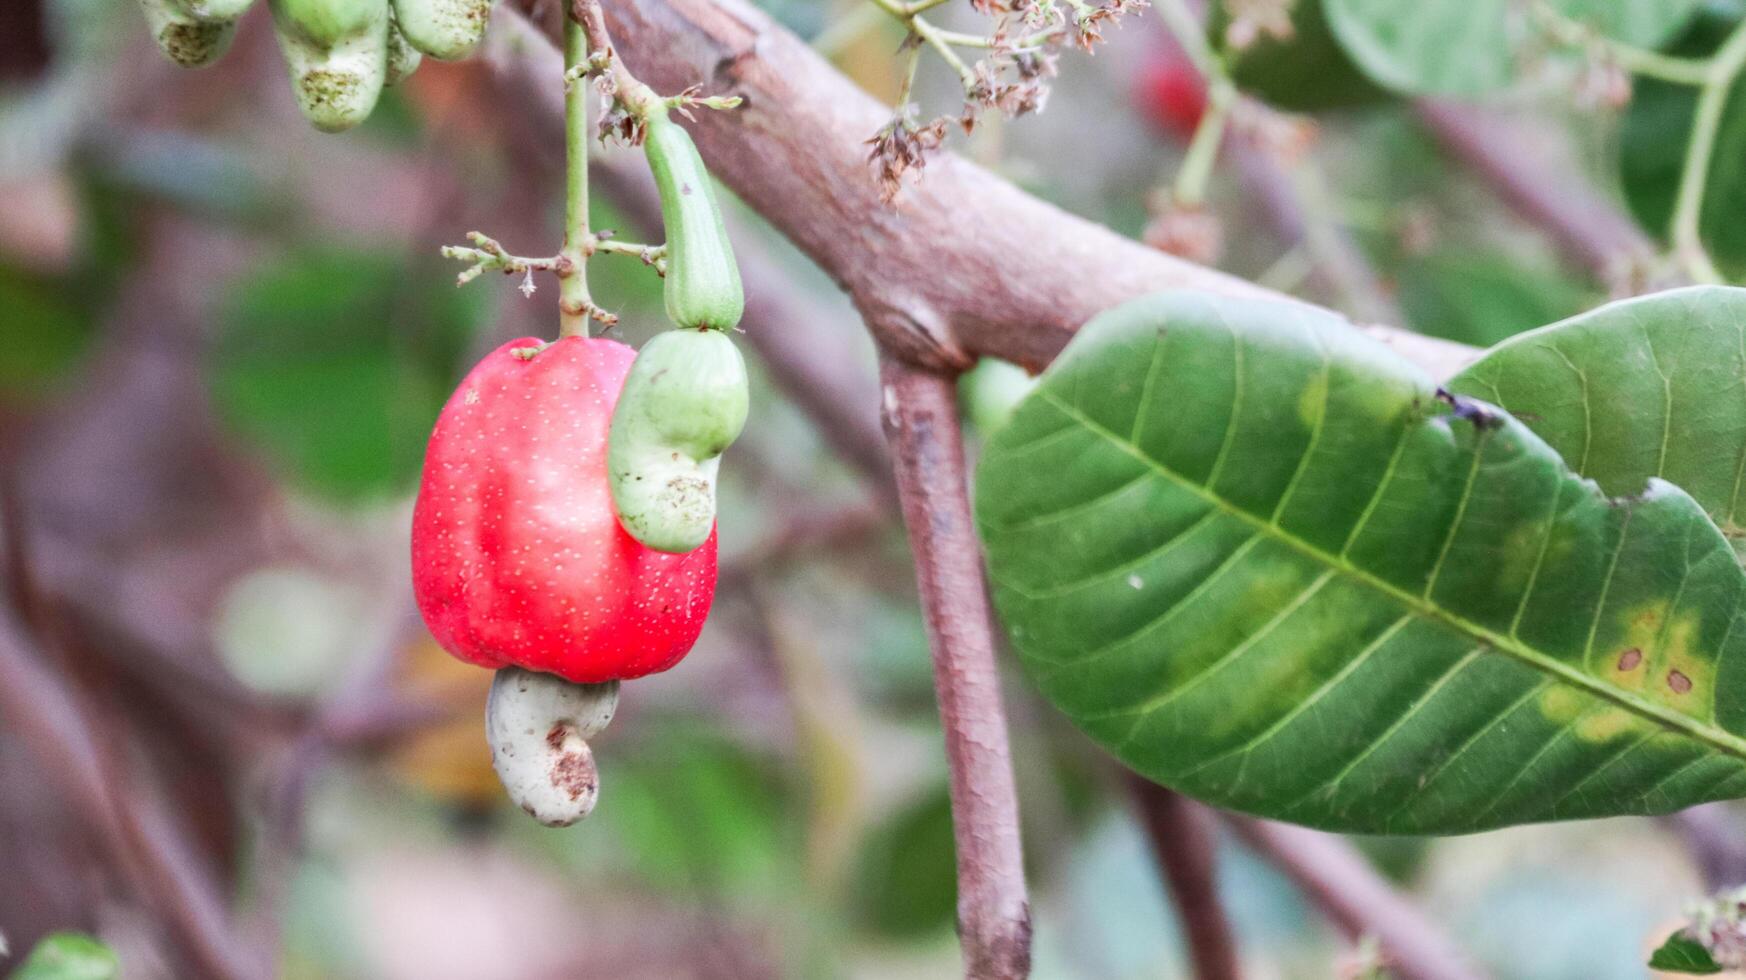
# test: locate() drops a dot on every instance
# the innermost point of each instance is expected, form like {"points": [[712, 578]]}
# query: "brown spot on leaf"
{"points": [[1630, 659], [1678, 681]]}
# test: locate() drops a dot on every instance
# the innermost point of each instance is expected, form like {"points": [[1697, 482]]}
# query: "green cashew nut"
{"points": [[444, 29], [325, 23], [188, 42], [683, 404], [214, 11], [703, 282], [336, 86]]}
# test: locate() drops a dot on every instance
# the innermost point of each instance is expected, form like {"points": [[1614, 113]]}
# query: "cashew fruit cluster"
{"points": [[340, 53], [518, 558], [686, 398]]}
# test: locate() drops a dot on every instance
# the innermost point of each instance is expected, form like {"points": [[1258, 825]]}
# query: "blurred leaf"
{"points": [[69, 956], [1375, 589], [1307, 72], [1433, 47], [1653, 140], [1645, 25], [1471, 47], [696, 810], [1481, 298], [335, 364], [1398, 857], [288, 630], [991, 390], [1683, 954], [906, 884], [45, 332]]}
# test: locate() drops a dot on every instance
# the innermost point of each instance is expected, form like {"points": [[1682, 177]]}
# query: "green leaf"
{"points": [[1652, 142], [69, 956], [46, 334], [696, 811], [1307, 72], [1249, 551], [1647, 387], [335, 364], [1472, 47], [1683, 954], [1482, 298], [906, 879], [1431, 47], [1645, 25]]}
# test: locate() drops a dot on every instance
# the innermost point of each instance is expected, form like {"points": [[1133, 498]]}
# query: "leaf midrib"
{"points": [[1711, 735]]}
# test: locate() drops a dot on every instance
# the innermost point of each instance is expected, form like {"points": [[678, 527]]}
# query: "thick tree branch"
{"points": [[1184, 838], [921, 420], [1355, 898], [962, 264]]}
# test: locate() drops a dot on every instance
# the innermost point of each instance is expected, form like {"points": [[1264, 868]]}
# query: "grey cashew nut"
{"points": [[538, 726]]}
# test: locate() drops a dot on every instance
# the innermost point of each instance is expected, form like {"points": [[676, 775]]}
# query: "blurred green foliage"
{"points": [[69, 956], [335, 362], [906, 882]]}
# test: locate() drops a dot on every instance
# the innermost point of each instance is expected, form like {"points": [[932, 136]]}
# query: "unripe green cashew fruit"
{"points": [[683, 404], [403, 58], [188, 42], [325, 23], [336, 86], [703, 281], [444, 29], [214, 11]]}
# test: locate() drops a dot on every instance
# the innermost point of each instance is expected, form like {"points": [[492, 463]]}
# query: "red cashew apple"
{"points": [[518, 558]]}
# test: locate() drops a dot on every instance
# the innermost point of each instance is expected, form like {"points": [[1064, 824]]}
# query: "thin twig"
{"points": [[1184, 838], [1586, 225], [1716, 838], [921, 421], [1339, 881], [129, 823]]}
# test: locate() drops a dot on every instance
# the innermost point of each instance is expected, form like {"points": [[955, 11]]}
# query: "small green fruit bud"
{"points": [[325, 23], [188, 42], [703, 281], [403, 58], [683, 403], [337, 86], [444, 29], [214, 11]]}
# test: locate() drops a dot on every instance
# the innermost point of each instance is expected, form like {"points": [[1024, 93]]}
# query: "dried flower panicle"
{"points": [[1188, 232], [902, 146], [1089, 19], [1012, 79], [1719, 926], [1252, 20]]}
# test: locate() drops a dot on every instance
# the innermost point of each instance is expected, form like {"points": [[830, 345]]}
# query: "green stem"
{"points": [[574, 302], [1185, 27], [1724, 69], [1638, 61], [831, 41], [1203, 150]]}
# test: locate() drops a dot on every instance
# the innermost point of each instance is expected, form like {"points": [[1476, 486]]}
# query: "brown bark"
{"points": [[1339, 881], [1184, 837], [994, 917], [963, 263]]}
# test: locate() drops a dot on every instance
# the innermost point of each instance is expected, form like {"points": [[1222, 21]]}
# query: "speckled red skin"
{"points": [[517, 555]]}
